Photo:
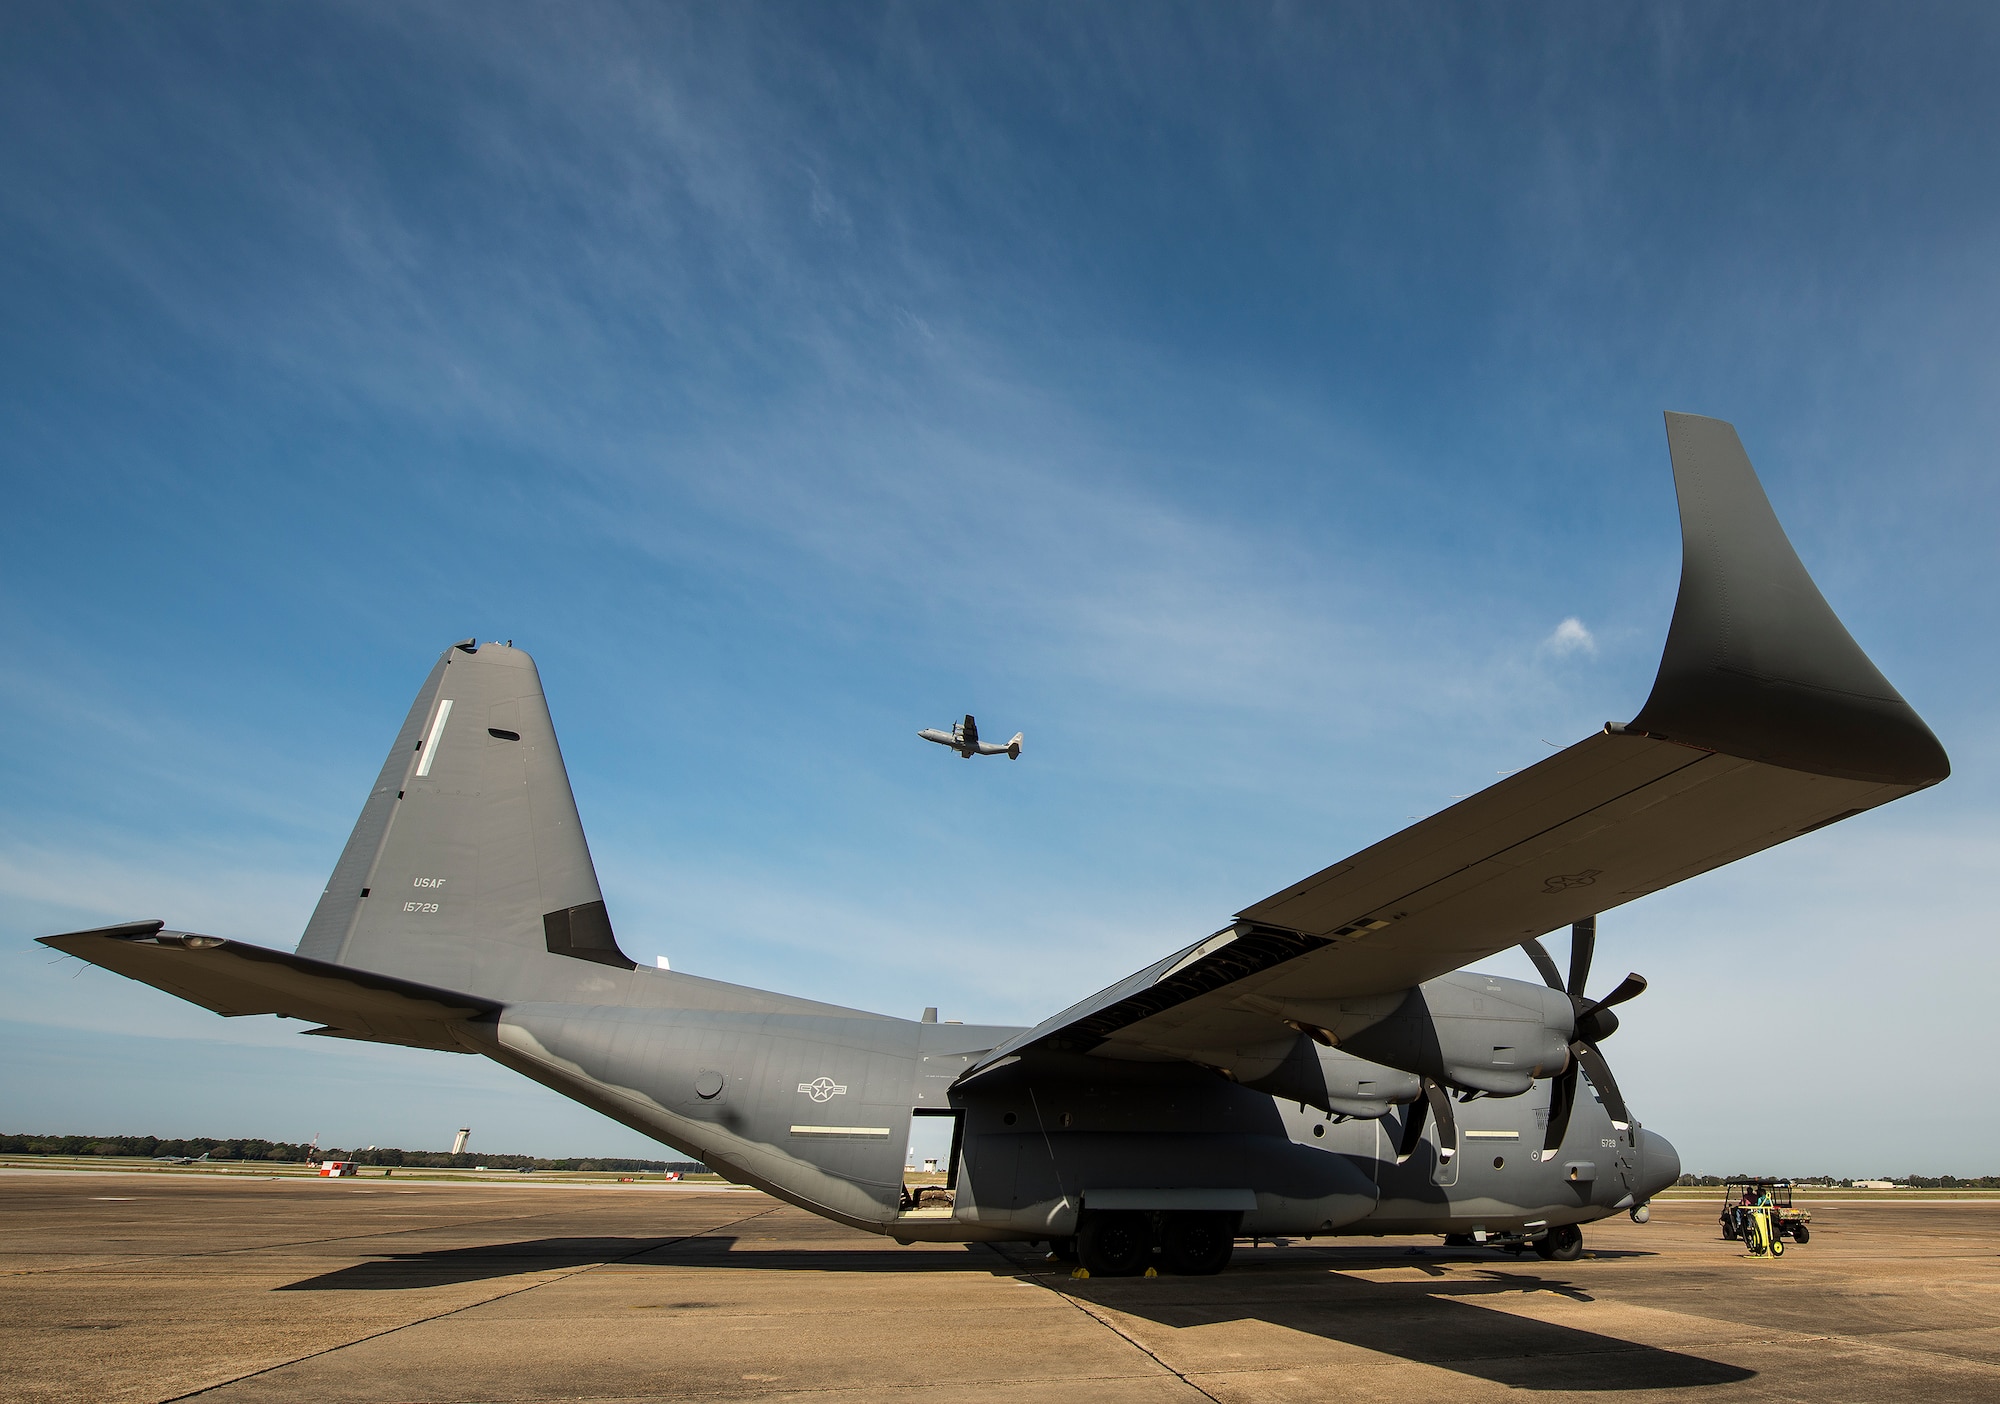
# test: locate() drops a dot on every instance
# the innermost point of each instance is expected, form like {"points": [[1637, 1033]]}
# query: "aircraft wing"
{"points": [[1766, 721], [234, 978]]}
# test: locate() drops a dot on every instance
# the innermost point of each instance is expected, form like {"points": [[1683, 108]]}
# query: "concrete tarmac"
{"points": [[155, 1288]]}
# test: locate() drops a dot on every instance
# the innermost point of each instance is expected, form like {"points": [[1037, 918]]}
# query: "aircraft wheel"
{"points": [[1196, 1245], [1561, 1244], [1458, 1240], [1063, 1250], [1114, 1244], [1801, 1234]]}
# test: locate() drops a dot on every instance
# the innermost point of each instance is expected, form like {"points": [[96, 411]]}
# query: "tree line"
{"points": [[291, 1152]]}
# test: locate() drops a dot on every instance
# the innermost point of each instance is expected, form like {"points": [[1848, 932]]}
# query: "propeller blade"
{"points": [[1562, 1096], [1582, 946], [1447, 1120], [1606, 1085], [1539, 954], [1631, 987], [1413, 1127]]}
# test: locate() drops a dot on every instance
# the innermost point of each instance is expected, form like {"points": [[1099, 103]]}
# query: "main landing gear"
{"points": [[1561, 1244], [1124, 1243]]}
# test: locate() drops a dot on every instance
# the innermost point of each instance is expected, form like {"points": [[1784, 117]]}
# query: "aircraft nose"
{"points": [[1659, 1163]]}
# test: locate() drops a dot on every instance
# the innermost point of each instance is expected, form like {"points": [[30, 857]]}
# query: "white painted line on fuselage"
{"points": [[437, 733], [874, 1133], [1493, 1135]]}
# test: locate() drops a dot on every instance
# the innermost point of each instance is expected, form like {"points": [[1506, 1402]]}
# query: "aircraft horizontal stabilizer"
{"points": [[1757, 665], [235, 978]]}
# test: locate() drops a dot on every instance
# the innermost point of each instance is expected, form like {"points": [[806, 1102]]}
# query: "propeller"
{"points": [[1435, 1102], [1594, 1023]]}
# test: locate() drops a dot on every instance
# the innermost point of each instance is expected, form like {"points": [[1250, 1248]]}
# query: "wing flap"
{"points": [[1579, 787], [234, 978]]}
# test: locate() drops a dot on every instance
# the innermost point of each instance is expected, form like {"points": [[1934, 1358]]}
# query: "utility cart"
{"points": [[1741, 1196]]}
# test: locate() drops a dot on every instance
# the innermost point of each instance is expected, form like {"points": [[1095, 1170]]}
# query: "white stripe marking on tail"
{"points": [[437, 732]]}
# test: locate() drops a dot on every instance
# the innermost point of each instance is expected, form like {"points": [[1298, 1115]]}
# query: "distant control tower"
{"points": [[458, 1145]]}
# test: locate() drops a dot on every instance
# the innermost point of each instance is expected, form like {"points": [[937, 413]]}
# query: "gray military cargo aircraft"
{"points": [[964, 739], [1315, 1067]]}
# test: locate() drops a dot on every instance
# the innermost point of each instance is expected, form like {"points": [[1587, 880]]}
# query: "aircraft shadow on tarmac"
{"points": [[445, 1267], [1436, 1320], [1441, 1320]]}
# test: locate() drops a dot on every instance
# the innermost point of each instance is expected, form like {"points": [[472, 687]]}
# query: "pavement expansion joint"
{"points": [[1088, 1309], [541, 1281]]}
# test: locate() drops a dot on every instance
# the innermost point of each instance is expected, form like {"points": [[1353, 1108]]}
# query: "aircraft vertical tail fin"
{"points": [[1014, 747], [467, 869]]}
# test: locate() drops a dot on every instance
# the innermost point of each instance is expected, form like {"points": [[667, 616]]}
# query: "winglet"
{"points": [[1757, 665]]}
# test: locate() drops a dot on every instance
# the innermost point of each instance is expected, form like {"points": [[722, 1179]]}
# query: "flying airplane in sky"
{"points": [[964, 738], [1321, 1065]]}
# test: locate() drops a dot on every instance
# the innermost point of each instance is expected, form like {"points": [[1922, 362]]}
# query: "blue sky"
{"points": [[1236, 399]]}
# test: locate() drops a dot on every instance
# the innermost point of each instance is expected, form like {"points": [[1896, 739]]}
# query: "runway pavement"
{"points": [[153, 1288]]}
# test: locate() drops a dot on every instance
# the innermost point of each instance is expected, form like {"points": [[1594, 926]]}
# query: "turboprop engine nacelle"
{"points": [[1481, 1033], [1300, 1069]]}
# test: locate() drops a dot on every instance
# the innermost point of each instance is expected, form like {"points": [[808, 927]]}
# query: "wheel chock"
{"points": [[1079, 1272], [1152, 1272]]}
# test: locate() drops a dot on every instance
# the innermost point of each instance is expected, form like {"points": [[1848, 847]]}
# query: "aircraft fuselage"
{"points": [[816, 1107]]}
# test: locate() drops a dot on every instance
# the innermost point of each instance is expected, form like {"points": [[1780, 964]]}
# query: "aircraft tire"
{"points": [[1113, 1243], [1561, 1244], [1196, 1244], [1063, 1250]]}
